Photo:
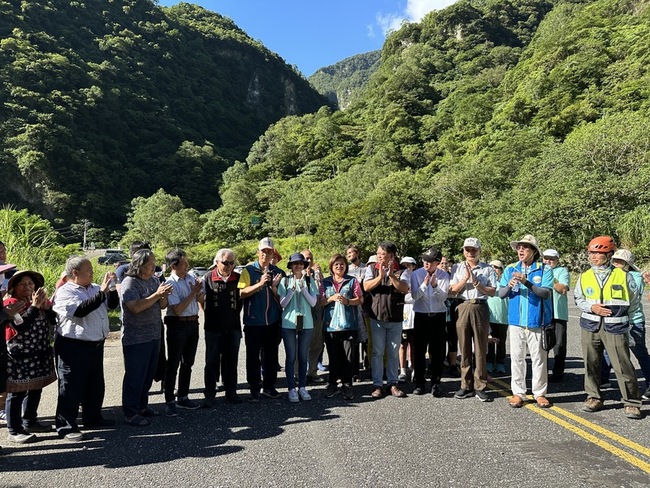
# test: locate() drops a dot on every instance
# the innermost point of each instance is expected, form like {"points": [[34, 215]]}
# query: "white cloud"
{"points": [[414, 11]]}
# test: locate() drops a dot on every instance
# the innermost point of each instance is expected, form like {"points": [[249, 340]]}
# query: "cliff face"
{"points": [[108, 100]]}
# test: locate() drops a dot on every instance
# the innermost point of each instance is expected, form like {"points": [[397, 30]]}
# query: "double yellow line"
{"points": [[555, 414]]}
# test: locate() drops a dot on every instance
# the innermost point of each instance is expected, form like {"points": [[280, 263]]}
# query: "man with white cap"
{"points": [[608, 298], [474, 281], [624, 260], [258, 285], [561, 281], [527, 285]]}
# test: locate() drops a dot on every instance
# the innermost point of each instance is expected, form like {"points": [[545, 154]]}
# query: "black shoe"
{"points": [[234, 399], [271, 393], [36, 426], [462, 393], [483, 396], [347, 392], [436, 391], [418, 390], [315, 380], [332, 389]]}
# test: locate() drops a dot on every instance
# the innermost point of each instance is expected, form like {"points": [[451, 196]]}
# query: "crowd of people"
{"points": [[388, 314]]}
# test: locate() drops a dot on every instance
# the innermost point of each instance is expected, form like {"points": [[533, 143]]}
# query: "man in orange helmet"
{"points": [[607, 297]]}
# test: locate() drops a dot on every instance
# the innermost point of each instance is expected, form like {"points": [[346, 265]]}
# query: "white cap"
{"points": [[627, 256], [265, 243], [372, 259], [472, 242], [497, 263], [407, 259], [551, 253]]}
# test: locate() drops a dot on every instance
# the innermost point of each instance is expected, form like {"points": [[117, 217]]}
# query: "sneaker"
{"points": [[482, 395], [271, 393], [74, 437], [646, 395], [490, 367], [332, 390], [322, 367], [501, 368], [347, 392], [170, 409], [632, 412], [293, 396], [418, 390], [592, 405], [401, 378], [22, 438], [436, 391], [462, 393], [304, 394], [36, 426], [208, 402], [187, 404]]}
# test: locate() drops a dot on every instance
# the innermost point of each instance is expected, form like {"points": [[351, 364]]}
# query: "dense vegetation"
{"points": [[106, 100], [343, 82], [490, 118]]}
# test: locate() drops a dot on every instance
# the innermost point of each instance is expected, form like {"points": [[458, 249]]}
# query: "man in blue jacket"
{"points": [[528, 285], [258, 286]]}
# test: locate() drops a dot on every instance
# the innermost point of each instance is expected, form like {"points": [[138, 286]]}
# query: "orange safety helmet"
{"points": [[602, 244]]}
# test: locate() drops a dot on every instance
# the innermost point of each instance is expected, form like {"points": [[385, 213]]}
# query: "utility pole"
{"points": [[86, 224]]}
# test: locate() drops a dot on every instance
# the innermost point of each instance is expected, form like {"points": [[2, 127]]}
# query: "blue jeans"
{"points": [[638, 348], [140, 362], [22, 409], [299, 340], [386, 338]]}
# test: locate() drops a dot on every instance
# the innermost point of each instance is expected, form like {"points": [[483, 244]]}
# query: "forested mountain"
{"points": [[491, 118], [105, 100], [343, 82]]}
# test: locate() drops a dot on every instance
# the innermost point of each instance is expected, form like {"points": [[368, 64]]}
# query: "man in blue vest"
{"points": [[608, 298], [258, 285]]}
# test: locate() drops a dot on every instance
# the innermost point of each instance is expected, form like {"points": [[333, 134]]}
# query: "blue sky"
{"points": [[313, 34]]}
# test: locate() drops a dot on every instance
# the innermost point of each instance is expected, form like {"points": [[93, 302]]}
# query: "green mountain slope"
{"points": [[488, 118], [103, 101], [342, 82]]}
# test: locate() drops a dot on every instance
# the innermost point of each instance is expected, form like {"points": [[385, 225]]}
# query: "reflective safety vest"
{"points": [[614, 294]]}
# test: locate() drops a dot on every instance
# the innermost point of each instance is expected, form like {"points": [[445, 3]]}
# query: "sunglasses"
{"points": [[227, 263]]}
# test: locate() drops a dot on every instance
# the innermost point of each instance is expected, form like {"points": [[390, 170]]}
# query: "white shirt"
{"points": [[181, 289], [93, 327]]}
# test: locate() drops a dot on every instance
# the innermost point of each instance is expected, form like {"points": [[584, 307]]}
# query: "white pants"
{"points": [[522, 340]]}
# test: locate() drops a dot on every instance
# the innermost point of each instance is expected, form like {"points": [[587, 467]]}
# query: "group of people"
{"points": [[402, 313]]}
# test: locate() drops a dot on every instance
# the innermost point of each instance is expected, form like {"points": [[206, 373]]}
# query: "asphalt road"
{"points": [[417, 441]]}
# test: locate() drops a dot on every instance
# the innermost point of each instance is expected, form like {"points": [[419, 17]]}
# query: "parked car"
{"points": [[198, 271], [112, 258]]}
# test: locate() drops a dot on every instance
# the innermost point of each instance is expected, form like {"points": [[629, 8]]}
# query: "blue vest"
{"points": [[348, 320]]}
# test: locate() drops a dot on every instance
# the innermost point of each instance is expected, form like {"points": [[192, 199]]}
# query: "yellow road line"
{"points": [[630, 458]]}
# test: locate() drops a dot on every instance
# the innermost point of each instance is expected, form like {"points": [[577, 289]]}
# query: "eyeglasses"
{"points": [[497, 267], [227, 263]]}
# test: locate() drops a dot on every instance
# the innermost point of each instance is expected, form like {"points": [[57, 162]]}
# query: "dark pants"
{"points": [[430, 333], [80, 367], [22, 409], [559, 351], [497, 352], [264, 340], [182, 341], [221, 354], [140, 361], [340, 350]]}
